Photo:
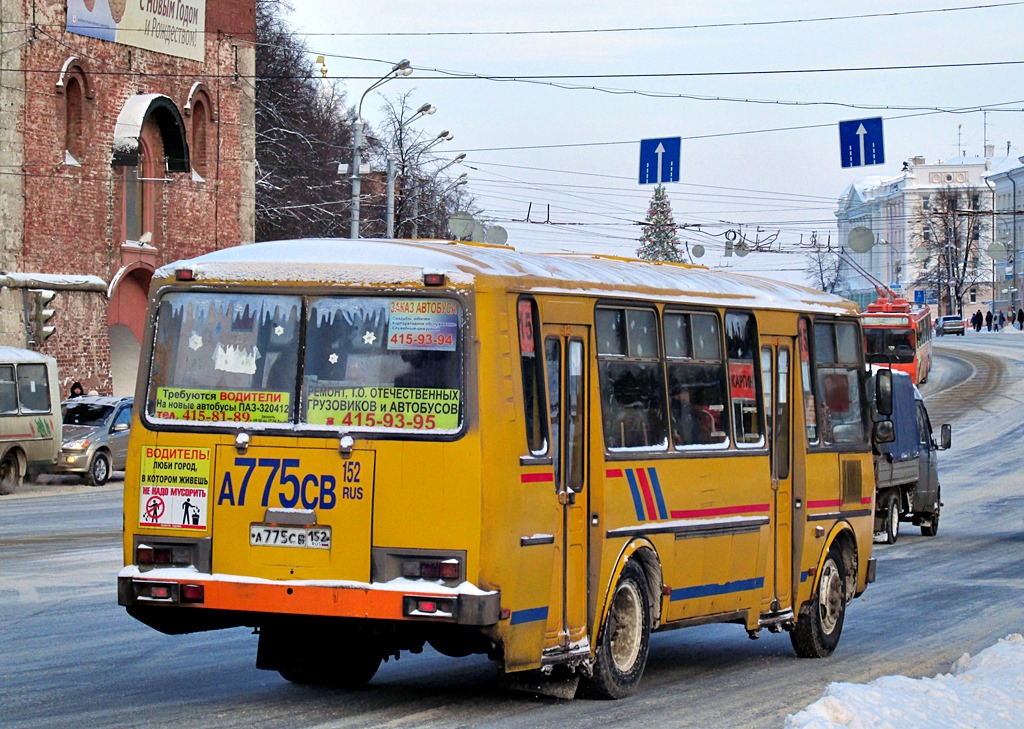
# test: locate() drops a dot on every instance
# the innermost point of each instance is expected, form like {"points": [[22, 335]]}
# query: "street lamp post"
{"points": [[421, 112], [402, 68]]}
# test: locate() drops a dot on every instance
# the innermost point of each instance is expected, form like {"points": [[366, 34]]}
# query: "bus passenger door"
{"points": [[776, 365], [565, 361]]}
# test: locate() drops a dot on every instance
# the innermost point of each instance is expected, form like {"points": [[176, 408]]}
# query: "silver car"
{"points": [[95, 437]]}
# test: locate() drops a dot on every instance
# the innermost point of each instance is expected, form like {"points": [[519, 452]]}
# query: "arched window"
{"points": [[73, 121], [200, 130]]}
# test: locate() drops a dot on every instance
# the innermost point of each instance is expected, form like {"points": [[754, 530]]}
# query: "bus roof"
{"points": [[14, 354], [370, 262]]}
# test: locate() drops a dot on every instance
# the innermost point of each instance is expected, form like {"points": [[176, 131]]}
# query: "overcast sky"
{"points": [[744, 162]]}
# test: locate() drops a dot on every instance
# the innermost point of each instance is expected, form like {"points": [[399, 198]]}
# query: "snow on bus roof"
{"points": [[403, 262], [14, 354]]}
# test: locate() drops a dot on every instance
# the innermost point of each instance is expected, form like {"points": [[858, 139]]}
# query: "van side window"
{"points": [[630, 372], [8, 392], [33, 388]]}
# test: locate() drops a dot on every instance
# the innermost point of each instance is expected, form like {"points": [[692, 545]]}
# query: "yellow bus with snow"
{"points": [[362, 447]]}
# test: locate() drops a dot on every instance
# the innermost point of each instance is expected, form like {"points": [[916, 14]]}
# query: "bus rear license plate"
{"points": [[264, 535]]}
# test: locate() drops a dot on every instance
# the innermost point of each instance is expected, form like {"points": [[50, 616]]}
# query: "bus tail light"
{"points": [[192, 593], [432, 569], [433, 278], [163, 555], [429, 607], [162, 591]]}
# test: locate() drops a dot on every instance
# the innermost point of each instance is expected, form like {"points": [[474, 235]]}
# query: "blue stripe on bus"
{"points": [[529, 616], [688, 593], [637, 501], [656, 484]]}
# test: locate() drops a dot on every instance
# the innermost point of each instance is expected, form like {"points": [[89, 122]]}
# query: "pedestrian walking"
{"points": [[1002, 320], [1020, 318], [988, 320]]}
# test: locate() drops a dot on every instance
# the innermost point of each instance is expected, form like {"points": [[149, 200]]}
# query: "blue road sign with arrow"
{"points": [[860, 142], [659, 160]]}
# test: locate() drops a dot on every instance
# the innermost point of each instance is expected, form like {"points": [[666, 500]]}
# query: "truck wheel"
{"points": [[892, 519], [820, 624], [932, 527], [10, 474], [625, 640]]}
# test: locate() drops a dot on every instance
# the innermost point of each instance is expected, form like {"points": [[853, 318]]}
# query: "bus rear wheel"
{"points": [[352, 670], [625, 640], [820, 624], [10, 474]]}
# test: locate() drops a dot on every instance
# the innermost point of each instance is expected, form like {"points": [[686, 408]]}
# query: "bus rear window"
{"points": [[383, 363], [223, 357], [345, 363]]}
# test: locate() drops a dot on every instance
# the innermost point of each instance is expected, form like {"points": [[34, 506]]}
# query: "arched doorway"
{"points": [[126, 317]]}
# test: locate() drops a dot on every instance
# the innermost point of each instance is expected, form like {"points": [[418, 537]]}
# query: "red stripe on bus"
{"points": [[645, 488], [536, 477], [866, 500], [822, 504], [719, 511], [613, 473]]}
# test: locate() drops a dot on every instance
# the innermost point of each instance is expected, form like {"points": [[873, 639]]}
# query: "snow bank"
{"points": [[984, 691]]}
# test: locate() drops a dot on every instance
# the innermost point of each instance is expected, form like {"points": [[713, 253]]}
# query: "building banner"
{"points": [[174, 27]]}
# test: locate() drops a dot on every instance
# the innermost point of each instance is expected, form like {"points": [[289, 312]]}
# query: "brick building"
{"points": [[126, 141]]}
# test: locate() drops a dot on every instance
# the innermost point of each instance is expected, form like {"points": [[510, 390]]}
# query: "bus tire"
{"points": [[99, 469], [820, 624], [10, 473], [891, 527], [353, 662], [622, 650]]}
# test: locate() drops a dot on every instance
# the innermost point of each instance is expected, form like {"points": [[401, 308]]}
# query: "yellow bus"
{"points": [[362, 447]]}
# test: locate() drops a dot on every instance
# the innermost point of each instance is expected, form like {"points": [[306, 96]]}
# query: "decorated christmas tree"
{"points": [[659, 240]]}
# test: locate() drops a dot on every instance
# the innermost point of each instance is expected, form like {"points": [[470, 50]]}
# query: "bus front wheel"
{"points": [[820, 624], [625, 641]]}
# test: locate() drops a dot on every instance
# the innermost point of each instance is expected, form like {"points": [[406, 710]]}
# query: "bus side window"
{"points": [[8, 393], [696, 380], [741, 349], [838, 364], [629, 367], [533, 377], [33, 388]]}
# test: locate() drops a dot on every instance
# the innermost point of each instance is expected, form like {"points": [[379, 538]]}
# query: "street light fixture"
{"points": [[424, 110], [402, 68]]}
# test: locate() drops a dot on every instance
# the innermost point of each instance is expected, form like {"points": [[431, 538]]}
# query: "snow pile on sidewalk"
{"points": [[984, 691]]}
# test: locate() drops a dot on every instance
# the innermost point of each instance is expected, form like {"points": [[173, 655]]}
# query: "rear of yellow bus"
{"points": [[301, 466]]}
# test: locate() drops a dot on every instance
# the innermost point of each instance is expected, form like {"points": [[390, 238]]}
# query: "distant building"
{"points": [[126, 141], [1008, 185], [882, 230]]}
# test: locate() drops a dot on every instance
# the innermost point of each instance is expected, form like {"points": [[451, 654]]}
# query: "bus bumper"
{"points": [[253, 600]]}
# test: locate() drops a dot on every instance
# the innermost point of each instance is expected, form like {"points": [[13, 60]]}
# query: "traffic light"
{"points": [[42, 314]]}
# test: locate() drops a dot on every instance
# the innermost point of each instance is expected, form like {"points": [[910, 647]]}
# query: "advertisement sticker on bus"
{"points": [[741, 380], [239, 406], [405, 408], [174, 486], [431, 324]]}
